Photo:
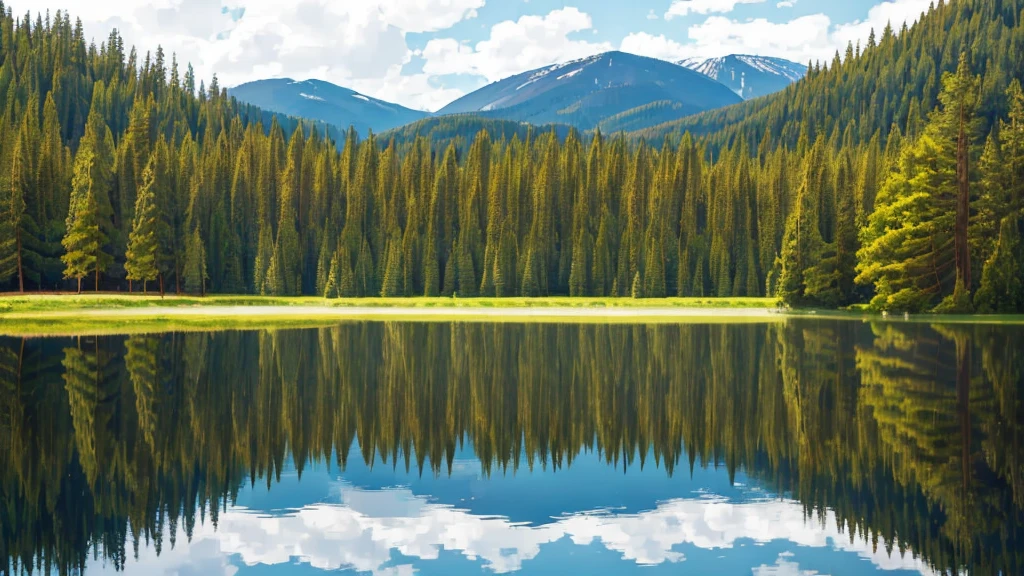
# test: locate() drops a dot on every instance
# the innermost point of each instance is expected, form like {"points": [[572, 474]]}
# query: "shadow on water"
{"points": [[910, 435]]}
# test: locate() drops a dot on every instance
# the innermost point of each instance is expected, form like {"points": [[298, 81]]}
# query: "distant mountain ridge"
{"points": [[326, 102], [749, 76], [584, 93]]}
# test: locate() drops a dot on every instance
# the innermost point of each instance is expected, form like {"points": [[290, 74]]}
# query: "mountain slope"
{"points": [[583, 93], [749, 76], [326, 102]]}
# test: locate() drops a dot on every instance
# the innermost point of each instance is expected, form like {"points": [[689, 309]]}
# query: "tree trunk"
{"points": [[21, 271], [144, 282], [161, 276], [961, 246], [97, 277], [79, 284], [177, 278], [129, 285]]}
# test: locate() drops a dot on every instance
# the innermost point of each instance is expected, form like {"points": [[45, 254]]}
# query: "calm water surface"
{"points": [[798, 448]]}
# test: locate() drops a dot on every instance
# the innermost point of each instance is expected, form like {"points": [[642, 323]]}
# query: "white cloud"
{"points": [[355, 44], [652, 15], [811, 37], [786, 4], [515, 46], [686, 7], [658, 46], [362, 533], [799, 40], [896, 11]]}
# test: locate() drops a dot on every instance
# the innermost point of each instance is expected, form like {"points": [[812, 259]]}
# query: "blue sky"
{"points": [[425, 53]]}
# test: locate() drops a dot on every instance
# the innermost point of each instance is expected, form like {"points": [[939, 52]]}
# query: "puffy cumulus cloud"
{"points": [[687, 7], [515, 46], [658, 46], [363, 532], [896, 11], [800, 40], [356, 44], [811, 37]]}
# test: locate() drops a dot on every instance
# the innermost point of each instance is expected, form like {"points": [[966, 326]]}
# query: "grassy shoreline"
{"points": [[50, 314], [65, 303], [96, 314]]}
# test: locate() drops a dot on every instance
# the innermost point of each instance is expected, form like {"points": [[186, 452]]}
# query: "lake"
{"points": [[796, 447]]}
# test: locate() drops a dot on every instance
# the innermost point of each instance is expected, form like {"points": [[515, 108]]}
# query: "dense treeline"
{"points": [[911, 434], [122, 175]]}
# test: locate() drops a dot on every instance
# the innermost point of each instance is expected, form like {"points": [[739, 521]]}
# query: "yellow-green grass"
{"points": [[72, 314], [36, 303], [120, 313]]}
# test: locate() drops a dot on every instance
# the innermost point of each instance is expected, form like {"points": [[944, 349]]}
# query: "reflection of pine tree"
{"points": [[91, 401], [141, 361], [166, 444]]}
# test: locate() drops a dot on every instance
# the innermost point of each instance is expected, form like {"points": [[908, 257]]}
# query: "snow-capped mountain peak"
{"points": [[747, 75]]}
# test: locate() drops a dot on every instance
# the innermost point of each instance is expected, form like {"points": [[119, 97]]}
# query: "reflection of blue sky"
{"points": [[590, 518], [589, 484]]}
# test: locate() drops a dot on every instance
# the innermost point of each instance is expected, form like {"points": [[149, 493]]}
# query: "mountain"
{"points": [[749, 76], [326, 102], [585, 92]]}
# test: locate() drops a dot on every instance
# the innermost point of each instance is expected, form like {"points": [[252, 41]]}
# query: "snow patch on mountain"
{"points": [[570, 74], [311, 97], [777, 66], [747, 75]]}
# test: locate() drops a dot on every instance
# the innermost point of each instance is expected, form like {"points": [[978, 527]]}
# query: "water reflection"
{"points": [[388, 447]]}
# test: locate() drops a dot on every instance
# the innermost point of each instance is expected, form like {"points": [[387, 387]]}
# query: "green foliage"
{"points": [[833, 206], [915, 243], [1002, 282], [142, 255], [195, 272], [84, 241]]}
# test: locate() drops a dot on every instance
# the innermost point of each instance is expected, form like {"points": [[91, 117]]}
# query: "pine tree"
{"points": [[915, 249], [195, 272], [1002, 280], [143, 251], [84, 241]]}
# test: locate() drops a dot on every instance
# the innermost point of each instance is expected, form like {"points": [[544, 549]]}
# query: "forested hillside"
{"points": [[893, 79], [893, 176]]}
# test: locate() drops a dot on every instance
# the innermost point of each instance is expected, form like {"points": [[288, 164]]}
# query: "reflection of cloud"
{"points": [[783, 567], [363, 532]]}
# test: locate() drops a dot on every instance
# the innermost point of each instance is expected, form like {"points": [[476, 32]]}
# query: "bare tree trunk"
{"points": [[79, 284], [161, 276], [97, 277], [963, 197], [177, 278], [129, 285]]}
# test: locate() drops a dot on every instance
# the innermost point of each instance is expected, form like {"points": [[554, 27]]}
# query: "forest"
{"points": [[910, 434], [891, 177]]}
